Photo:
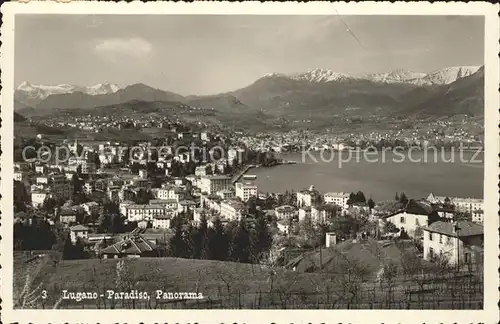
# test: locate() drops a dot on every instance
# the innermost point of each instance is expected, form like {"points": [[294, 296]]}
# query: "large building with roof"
{"points": [[415, 214], [462, 241], [134, 246]]}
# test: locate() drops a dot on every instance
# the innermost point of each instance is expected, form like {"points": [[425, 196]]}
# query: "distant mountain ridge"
{"points": [[438, 77], [316, 94]]}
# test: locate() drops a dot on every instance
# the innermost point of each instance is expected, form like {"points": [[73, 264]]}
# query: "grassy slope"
{"points": [[234, 285]]}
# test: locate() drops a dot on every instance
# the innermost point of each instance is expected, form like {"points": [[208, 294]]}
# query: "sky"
{"points": [[207, 54]]}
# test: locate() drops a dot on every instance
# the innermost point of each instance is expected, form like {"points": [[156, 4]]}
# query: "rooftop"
{"points": [[136, 244], [465, 228], [78, 228]]}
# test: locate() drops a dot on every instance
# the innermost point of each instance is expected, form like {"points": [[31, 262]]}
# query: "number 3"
{"points": [[44, 294]]}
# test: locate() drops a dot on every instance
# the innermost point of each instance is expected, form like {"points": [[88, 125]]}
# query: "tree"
{"points": [[204, 238], [178, 243], [144, 196], [396, 197], [49, 204], [462, 216], [68, 250], [241, 243], [360, 197], [371, 203], [306, 228], [218, 244], [117, 223], [252, 205], [104, 223], [79, 249], [403, 199], [261, 239]]}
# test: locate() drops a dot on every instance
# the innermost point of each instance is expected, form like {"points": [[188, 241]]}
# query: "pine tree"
{"points": [[218, 244], [204, 238], [191, 242], [79, 249], [371, 203], [68, 249], [261, 238], [176, 242], [403, 199], [241, 243]]}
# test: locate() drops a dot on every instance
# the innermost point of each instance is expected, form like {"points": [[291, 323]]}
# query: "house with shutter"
{"points": [[461, 241], [415, 215]]}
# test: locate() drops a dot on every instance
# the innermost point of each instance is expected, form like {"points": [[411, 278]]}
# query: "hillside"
{"points": [[227, 283], [18, 118], [222, 103], [83, 100], [317, 97], [464, 96], [236, 285], [299, 99], [177, 111]]}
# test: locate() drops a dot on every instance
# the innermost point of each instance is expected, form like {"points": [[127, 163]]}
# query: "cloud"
{"points": [[136, 47]]}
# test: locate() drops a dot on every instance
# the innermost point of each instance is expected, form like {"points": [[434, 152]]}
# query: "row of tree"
{"points": [[245, 241]]}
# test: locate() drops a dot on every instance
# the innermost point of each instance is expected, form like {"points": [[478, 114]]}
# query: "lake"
{"points": [[460, 176]]}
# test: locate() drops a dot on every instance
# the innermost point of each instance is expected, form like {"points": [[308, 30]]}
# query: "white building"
{"points": [[226, 194], [90, 207], [468, 205], [185, 206], [285, 212], [38, 197], [136, 212], [231, 209], [18, 176], [200, 171], [245, 190], [171, 192], [40, 169], [477, 216], [337, 198], [86, 166], [414, 215], [212, 184], [321, 214], [283, 226], [78, 231], [304, 212], [162, 221], [458, 242], [307, 197]]}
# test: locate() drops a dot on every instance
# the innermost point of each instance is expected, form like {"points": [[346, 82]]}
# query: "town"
{"points": [[102, 203]]}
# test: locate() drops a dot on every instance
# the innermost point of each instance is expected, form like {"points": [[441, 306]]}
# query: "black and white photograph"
{"points": [[250, 161]]}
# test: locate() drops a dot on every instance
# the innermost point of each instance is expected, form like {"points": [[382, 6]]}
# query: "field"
{"points": [[235, 285]]}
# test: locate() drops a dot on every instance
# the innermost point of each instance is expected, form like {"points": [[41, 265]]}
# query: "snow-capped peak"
{"points": [[273, 75], [395, 76], [449, 75], [102, 88], [320, 75], [43, 91], [439, 77], [315, 76]]}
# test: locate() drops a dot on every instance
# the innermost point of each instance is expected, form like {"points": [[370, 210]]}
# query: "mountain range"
{"points": [[315, 94]]}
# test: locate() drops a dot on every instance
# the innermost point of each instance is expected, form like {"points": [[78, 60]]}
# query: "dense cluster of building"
{"points": [[141, 199]]}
